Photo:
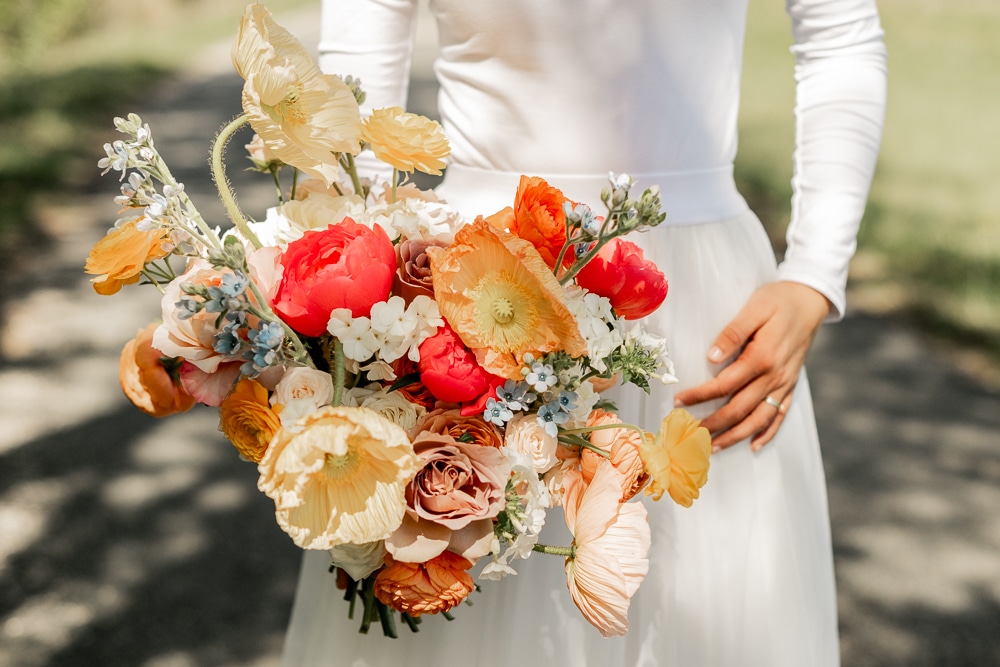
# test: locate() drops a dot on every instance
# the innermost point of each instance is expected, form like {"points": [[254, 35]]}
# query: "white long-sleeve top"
{"points": [[647, 87]]}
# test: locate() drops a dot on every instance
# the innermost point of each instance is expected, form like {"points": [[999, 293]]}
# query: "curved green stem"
{"points": [[568, 552], [338, 372], [222, 183], [277, 182], [606, 427]]}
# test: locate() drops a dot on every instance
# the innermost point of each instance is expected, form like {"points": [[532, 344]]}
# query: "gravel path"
{"points": [[127, 541]]}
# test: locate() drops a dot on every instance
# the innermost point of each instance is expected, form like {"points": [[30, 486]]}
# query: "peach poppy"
{"points": [[622, 444], [406, 141], [247, 420], [119, 257], [678, 458], [501, 299], [538, 218], [303, 116], [339, 478], [424, 588], [611, 541], [150, 380]]}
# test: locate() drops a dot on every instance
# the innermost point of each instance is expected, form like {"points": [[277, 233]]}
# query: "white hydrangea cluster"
{"points": [[412, 218], [598, 325], [393, 330]]}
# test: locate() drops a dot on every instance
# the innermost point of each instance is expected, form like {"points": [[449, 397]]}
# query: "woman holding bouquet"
{"points": [[566, 91]]}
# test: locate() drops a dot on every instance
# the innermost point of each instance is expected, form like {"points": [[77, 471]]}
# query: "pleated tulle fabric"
{"points": [[744, 578]]}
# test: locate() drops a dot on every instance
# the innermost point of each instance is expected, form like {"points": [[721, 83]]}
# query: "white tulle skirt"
{"points": [[744, 578]]}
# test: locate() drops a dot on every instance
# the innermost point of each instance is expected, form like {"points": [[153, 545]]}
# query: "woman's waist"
{"points": [[689, 197]]}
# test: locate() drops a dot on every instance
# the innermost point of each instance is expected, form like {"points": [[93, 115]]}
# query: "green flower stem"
{"points": [[338, 372], [352, 170], [607, 427], [568, 552], [602, 238], [222, 183], [395, 180], [295, 182], [148, 275], [277, 183]]}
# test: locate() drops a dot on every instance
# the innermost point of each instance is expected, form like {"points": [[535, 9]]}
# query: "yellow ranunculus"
{"points": [[246, 418], [303, 116], [120, 256], [339, 477], [677, 458], [406, 141]]}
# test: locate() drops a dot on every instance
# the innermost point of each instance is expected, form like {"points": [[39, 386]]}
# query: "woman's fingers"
{"points": [[771, 335]]}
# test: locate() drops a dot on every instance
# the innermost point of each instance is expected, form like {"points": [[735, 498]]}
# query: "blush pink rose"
{"points": [[459, 482], [621, 273], [346, 265]]}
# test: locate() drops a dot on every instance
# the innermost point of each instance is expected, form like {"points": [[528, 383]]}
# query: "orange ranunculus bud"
{"points": [[424, 588], [119, 257], [150, 383], [619, 272], [247, 420], [623, 446]]}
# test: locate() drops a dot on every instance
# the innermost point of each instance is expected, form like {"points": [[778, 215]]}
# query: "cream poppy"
{"points": [[339, 478]]}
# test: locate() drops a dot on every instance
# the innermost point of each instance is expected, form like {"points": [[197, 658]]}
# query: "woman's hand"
{"points": [[772, 335]]}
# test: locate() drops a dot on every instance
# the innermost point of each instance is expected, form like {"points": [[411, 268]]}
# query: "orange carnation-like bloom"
{"points": [[501, 299], [538, 218], [424, 588], [120, 256], [406, 141], [678, 458], [149, 380], [246, 418], [623, 446]]}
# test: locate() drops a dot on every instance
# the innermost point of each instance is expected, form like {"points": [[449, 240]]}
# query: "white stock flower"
{"points": [[586, 398], [413, 218], [400, 329], [390, 404], [655, 345], [597, 324], [359, 560], [300, 392], [355, 333]]}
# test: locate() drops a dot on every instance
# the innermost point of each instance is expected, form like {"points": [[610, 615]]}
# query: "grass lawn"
{"points": [[930, 242]]}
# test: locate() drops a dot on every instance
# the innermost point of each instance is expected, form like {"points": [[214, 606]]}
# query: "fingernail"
{"points": [[716, 449], [715, 354], [756, 446], [678, 403]]}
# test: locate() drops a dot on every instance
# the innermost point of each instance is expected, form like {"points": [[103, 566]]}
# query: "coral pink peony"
{"points": [[449, 370], [346, 265], [619, 272]]}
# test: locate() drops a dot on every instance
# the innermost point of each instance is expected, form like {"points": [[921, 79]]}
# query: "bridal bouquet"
{"points": [[415, 391]]}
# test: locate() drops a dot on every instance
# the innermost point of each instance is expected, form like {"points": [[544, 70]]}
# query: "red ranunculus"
{"points": [[449, 370], [346, 265], [619, 272]]}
